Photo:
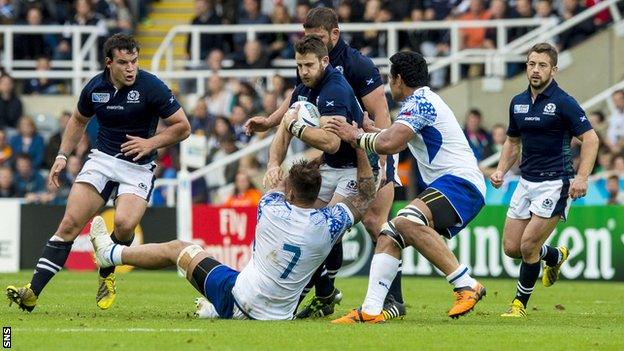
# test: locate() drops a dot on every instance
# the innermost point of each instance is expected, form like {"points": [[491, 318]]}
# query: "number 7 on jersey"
{"points": [[296, 250]]}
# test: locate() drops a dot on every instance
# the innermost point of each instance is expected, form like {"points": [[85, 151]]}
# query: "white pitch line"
{"points": [[105, 330]]}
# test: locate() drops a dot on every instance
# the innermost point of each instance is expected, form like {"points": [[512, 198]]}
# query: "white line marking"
{"points": [[105, 330]]}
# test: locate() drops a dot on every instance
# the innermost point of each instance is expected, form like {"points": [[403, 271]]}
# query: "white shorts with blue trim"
{"points": [[546, 199], [111, 175]]}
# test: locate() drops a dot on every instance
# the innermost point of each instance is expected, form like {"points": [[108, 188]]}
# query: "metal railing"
{"points": [[82, 67], [165, 50]]}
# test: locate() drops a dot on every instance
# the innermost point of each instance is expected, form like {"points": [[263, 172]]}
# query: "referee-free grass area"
{"points": [[154, 311]]}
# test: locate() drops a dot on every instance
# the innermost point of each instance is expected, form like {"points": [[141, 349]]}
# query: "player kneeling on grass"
{"points": [[292, 240], [454, 188]]}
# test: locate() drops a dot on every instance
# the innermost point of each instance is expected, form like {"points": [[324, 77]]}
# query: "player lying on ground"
{"points": [[292, 240], [454, 188]]}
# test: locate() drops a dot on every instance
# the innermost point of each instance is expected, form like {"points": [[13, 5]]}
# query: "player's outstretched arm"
{"points": [[387, 142], [277, 153], [262, 123], [509, 156], [359, 203], [71, 137], [177, 129]]}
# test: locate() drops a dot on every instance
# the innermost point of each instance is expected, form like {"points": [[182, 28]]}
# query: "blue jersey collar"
{"points": [[337, 50], [548, 92]]}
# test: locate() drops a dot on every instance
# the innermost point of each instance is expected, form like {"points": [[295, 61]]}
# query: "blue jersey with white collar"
{"points": [[132, 110], [546, 127], [333, 96]]}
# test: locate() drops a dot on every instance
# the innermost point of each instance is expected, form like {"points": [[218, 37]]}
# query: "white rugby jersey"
{"points": [[438, 144], [290, 244]]}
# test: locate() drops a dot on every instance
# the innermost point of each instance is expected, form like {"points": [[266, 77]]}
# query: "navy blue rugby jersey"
{"points": [[546, 127], [132, 110], [333, 96]]}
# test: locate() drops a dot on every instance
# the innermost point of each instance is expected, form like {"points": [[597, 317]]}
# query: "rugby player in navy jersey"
{"points": [[128, 104], [542, 121], [364, 78]]}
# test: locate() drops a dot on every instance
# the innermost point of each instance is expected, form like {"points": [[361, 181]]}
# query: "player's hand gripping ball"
{"points": [[308, 113]]}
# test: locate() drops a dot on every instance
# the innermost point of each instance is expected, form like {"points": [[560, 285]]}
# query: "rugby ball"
{"points": [[308, 113]]}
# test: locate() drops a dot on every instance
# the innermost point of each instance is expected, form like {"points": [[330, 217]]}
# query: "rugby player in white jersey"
{"points": [[292, 239], [454, 188]]}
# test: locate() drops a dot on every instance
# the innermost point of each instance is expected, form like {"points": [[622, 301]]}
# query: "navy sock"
{"points": [[51, 262], [104, 272], [333, 262], [526, 282], [550, 255], [395, 287], [324, 286]]}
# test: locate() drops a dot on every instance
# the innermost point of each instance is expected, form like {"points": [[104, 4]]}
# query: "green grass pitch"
{"points": [[154, 311]]}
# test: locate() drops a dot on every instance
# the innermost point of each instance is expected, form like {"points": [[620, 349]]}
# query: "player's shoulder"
{"points": [[356, 57], [421, 102], [95, 82], [335, 81], [521, 96], [149, 79]]}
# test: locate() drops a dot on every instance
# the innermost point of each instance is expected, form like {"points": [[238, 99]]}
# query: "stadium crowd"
{"points": [[26, 153]]}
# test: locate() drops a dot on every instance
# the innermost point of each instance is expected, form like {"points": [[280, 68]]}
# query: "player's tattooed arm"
{"points": [[359, 204]]}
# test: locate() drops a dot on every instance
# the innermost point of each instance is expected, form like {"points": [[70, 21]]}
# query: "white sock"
{"points": [[113, 254], [383, 270], [461, 278]]}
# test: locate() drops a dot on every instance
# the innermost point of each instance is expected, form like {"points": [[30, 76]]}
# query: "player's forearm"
{"points": [[387, 143], [321, 139], [509, 156], [366, 185], [73, 133], [279, 147], [276, 117], [589, 151], [172, 134]]}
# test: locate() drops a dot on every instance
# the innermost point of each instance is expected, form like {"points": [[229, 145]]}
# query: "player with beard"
{"points": [[542, 121], [365, 79], [128, 104]]}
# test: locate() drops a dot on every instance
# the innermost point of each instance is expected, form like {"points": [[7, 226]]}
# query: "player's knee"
{"points": [[529, 248], [124, 227], [187, 253], [69, 228], [372, 223], [391, 231], [512, 249]]}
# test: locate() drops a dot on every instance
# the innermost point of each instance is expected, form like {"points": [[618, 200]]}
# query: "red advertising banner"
{"points": [[226, 233]]}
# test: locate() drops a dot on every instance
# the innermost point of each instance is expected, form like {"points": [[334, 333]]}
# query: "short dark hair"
{"points": [[545, 48], [601, 116], [311, 44], [614, 177], [475, 111], [617, 92], [305, 181], [23, 156], [321, 17], [411, 66], [120, 42]]}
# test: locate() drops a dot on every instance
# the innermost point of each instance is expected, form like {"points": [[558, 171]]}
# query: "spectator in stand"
{"points": [[474, 38], [47, 8], [5, 150], [498, 10], [10, 104], [205, 14], [245, 193], [578, 33], [7, 187], [618, 164], [254, 57], [279, 86], [281, 45], [370, 39], [219, 99], [597, 120], [480, 140], [615, 130], [251, 14], [544, 9], [50, 196], [28, 141], [603, 17], [524, 10], [84, 17], [214, 60], [269, 103], [31, 46], [201, 121], [499, 135], [27, 179], [222, 129], [224, 175], [616, 196], [116, 14], [43, 85], [7, 13], [54, 143], [604, 161], [238, 119]]}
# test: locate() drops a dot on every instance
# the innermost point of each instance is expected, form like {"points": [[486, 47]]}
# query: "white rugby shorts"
{"points": [[113, 176], [545, 199]]}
